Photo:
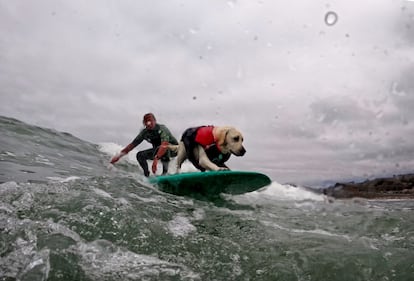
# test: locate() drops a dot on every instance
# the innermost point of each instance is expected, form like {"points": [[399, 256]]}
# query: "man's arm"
{"points": [[129, 147], [166, 138], [123, 152], [160, 153]]}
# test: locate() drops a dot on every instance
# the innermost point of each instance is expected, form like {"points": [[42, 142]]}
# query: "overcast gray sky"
{"points": [[315, 101]]}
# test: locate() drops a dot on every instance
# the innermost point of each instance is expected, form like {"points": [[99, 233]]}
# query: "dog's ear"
{"points": [[220, 135]]}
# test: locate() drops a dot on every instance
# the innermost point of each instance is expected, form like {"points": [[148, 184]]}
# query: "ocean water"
{"points": [[65, 216]]}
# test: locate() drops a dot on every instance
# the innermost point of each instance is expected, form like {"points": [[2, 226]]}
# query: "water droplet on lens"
{"points": [[331, 18]]}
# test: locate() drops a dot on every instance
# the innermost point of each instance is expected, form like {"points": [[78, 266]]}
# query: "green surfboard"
{"points": [[211, 183]]}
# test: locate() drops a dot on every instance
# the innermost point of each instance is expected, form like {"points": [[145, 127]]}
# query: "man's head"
{"points": [[149, 121]]}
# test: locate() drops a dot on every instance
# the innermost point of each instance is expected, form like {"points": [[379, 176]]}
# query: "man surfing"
{"points": [[160, 137]]}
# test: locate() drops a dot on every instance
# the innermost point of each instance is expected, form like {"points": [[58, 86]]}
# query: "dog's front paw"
{"points": [[223, 169]]}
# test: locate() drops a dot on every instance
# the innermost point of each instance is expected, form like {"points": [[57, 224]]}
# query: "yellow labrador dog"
{"points": [[209, 147]]}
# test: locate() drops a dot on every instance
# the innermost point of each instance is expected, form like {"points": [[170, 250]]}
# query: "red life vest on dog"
{"points": [[205, 137]]}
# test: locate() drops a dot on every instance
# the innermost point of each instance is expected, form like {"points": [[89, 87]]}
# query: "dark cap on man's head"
{"points": [[147, 117]]}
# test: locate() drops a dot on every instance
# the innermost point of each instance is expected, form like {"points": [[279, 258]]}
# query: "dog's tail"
{"points": [[173, 147]]}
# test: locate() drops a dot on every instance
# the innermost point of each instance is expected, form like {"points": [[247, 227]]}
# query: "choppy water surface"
{"points": [[65, 216]]}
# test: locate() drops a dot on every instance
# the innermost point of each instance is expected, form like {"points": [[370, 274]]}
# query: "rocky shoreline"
{"points": [[396, 187]]}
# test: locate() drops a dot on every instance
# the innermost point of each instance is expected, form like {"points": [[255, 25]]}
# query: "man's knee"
{"points": [[142, 155], [139, 155], [173, 153]]}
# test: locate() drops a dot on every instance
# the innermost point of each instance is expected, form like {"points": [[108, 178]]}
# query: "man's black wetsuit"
{"points": [[156, 136]]}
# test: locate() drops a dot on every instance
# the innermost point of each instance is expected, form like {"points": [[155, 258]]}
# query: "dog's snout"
{"points": [[241, 152]]}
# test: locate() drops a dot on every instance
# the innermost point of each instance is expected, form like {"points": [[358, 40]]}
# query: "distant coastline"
{"points": [[395, 187]]}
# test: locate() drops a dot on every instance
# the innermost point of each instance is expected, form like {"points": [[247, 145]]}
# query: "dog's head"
{"points": [[230, 140]]}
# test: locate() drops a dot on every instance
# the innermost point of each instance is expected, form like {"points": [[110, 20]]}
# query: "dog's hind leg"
{"points": [[181, 156]]}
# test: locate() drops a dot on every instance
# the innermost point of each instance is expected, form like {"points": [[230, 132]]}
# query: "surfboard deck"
{"points": [[211, 183]]}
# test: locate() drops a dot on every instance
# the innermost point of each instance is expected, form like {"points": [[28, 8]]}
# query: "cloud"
{"points": [[315, 101]]}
